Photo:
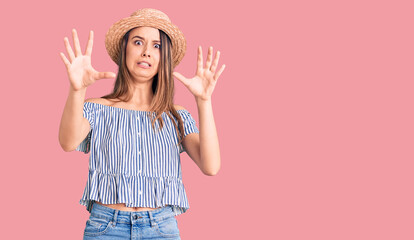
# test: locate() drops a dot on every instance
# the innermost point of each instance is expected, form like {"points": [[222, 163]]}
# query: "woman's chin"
{"points": [[142, 77]]}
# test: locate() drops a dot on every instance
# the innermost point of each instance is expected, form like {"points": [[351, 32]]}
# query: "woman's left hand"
{"points": [[203, 83]]}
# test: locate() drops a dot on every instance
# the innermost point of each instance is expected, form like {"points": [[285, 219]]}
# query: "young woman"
{"points": [[135, 134]]}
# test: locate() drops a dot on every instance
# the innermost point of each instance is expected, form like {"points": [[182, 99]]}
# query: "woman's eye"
{"points": [[157, 45], [137, 41]]}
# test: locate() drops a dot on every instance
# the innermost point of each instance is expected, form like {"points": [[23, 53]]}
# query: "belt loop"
{"points": [[115, 217], [152, 220]]}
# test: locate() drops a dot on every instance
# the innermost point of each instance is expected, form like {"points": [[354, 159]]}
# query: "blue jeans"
{"points": [[109, 223]]}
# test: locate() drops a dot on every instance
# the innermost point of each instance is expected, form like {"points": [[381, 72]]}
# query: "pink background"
{"points": [[314, 113]]}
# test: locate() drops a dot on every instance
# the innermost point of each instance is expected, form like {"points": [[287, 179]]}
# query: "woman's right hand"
{"points": [[80, 71]]}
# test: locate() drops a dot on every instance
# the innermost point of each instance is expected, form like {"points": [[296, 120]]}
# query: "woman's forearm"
{"points": [[209, 143], [72, 125]]}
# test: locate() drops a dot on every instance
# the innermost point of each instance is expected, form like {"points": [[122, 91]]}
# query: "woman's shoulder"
{"points": [[98, 100], [179, 107]]}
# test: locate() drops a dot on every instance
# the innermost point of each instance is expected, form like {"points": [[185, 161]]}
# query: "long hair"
{"points": [[162, 85]]}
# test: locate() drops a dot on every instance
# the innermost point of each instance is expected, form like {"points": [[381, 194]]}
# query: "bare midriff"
{"points": [[123, 207]]}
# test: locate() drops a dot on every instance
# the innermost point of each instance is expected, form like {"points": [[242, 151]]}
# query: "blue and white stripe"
{"points": [[132, 163]]}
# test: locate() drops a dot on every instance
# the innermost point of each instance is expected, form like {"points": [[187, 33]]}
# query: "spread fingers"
{"points": [[69, 49], [76, 43]]}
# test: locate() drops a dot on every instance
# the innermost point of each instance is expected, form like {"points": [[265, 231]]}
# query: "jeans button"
{"points": [[135, 217]]}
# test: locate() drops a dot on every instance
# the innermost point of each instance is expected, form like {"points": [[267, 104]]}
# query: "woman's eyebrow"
{"points": [[143, 38]]}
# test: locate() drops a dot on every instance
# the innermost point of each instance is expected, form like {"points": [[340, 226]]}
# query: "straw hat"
{"points": [[146, 17]]}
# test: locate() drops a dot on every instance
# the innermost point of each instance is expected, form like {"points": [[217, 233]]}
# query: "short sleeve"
{"points": [[189, 125], [85, 145], [89, 114]]}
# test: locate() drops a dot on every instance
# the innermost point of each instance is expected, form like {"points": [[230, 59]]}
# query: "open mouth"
{"points": [[144, 64]]}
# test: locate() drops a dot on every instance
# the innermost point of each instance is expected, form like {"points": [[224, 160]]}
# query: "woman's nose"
{"points": [[145, 52]]}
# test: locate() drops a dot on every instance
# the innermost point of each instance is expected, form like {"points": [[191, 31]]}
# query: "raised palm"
{"points": [[80, 71], [203, 83]]}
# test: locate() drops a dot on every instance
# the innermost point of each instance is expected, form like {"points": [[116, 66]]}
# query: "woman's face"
{"points": [[143, 46]]}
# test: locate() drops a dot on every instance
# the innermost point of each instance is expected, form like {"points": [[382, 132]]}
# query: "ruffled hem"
{"points": [[135, 191]]}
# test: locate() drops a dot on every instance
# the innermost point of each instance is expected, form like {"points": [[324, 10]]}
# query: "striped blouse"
{"points": [[131, 163]]}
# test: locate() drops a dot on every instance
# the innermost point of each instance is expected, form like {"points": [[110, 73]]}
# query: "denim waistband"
{"points": [[132, 217]]}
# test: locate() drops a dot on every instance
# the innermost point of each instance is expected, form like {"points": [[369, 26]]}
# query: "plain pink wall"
{"points": [[314, 113]]}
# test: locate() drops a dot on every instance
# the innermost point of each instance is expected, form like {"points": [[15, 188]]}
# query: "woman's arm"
{"points": [[73, 126], [203, 148]]}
